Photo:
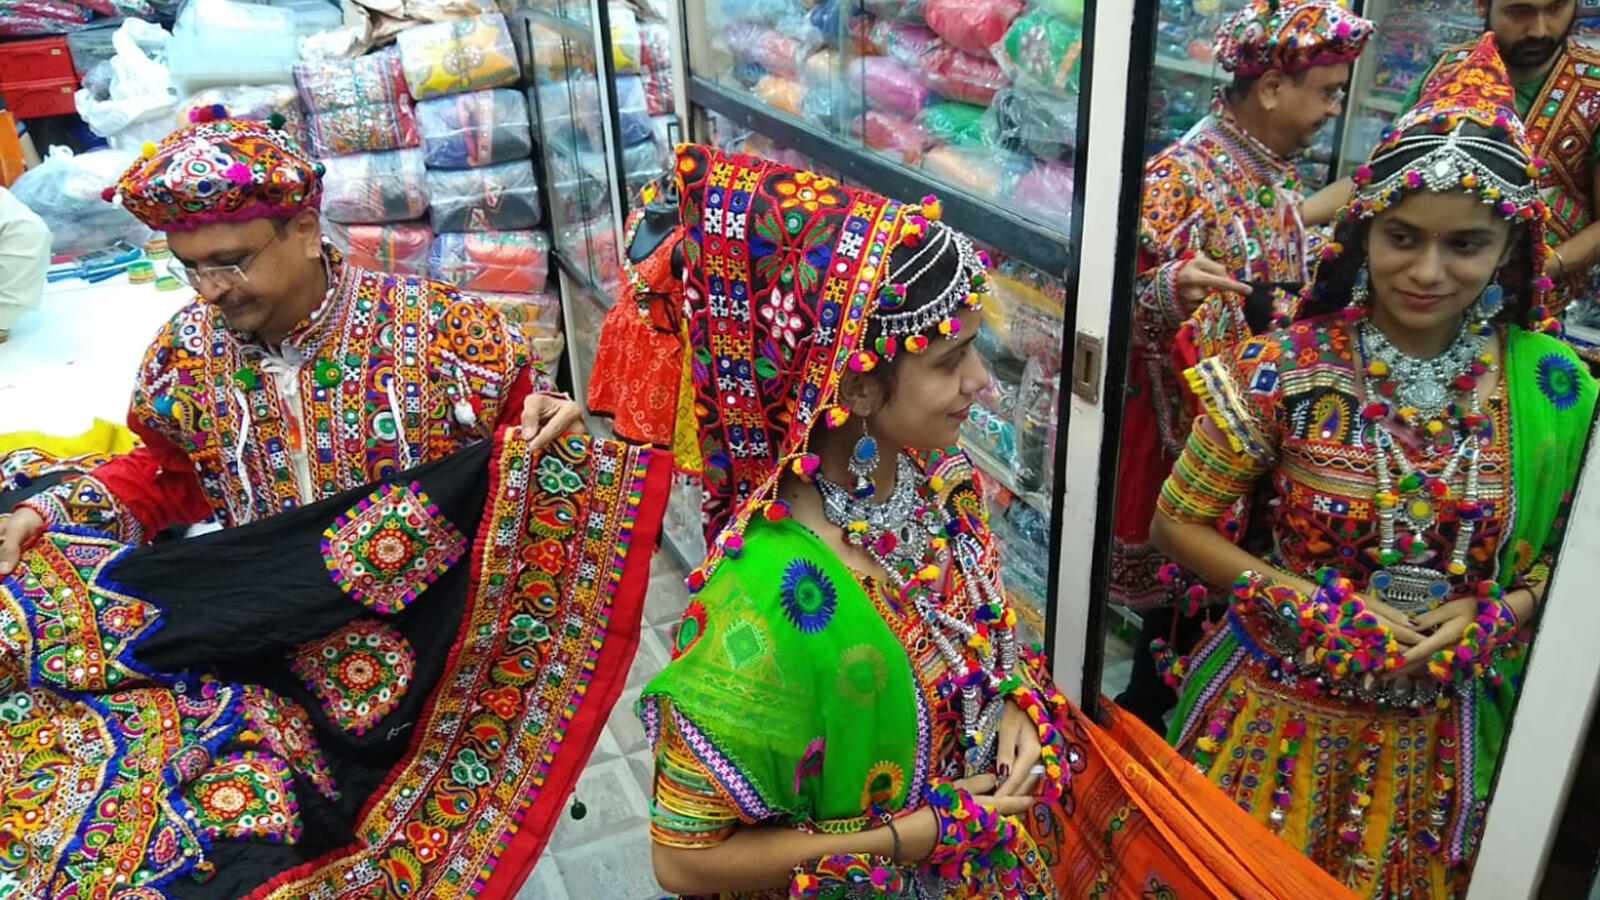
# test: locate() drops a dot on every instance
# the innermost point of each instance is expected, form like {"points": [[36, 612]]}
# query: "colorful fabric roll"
{"points": [[536, 315], [400, 249], [901, 41], [972, 25], [356, 105], [958, 124], [477, 129], [458, 56], [1042, 52], [890, 86], [955, 75], [501, 262], [503, 197], [979, 173], [890, 134], [781, 93], [391, 186]]}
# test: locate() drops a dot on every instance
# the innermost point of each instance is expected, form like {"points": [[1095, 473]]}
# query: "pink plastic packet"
{"points": [[972, 25], [1045, 192], [890, 86], [901, 41], [889, 134], [955, 75]]}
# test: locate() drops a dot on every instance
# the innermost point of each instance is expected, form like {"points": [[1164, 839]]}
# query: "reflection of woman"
{"points": [[848, 662], [1421, 445]]}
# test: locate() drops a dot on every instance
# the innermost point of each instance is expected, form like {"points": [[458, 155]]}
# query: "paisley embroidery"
{"points": [[360, 672], [387, 549]]}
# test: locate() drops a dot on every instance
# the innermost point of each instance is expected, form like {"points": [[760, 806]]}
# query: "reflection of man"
{"points": [[1220, 208], [294, 376], [1557, 83], [24, 258]]}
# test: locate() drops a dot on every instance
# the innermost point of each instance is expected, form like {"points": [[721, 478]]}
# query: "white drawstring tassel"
{"points": [[402, 449], [238, 456]]}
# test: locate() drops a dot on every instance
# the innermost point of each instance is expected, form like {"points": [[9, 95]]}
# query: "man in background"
{"points": [[24, 258], [1221, 213]]}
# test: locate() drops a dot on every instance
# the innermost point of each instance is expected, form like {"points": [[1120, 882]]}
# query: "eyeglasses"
{"points": [[224, 276], [1333, 96]]}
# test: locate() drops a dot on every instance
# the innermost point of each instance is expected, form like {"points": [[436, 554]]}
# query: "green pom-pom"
{"points": [[276, 121]]}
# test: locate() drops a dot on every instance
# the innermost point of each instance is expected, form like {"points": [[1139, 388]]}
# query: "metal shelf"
{"points": [[982, 218], [1006, 476]]}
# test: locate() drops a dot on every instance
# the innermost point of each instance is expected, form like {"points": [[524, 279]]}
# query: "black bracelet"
{"points": [[895, 833]]}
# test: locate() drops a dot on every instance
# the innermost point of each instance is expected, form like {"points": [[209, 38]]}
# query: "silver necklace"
{"points": [[897, 531], [1427, 385]]}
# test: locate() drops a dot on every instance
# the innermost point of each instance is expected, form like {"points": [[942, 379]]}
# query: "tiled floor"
{"points": [[606, 855]]}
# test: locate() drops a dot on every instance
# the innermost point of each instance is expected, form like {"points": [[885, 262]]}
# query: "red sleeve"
{"points": [[511, 407], [155, 483]]}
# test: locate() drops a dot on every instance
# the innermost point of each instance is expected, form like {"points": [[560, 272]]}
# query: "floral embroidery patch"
{"points": [[808, 597], [282, 727], [360, 672], [1558, 380], [885, 783], [246, 796], [689, 629], [386, 550]]}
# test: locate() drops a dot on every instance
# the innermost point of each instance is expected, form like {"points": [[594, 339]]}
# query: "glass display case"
{"points": [[978, 103]]}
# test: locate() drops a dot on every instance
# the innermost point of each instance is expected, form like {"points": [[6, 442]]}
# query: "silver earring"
{"points": [[863, 462], [1361, 291]]}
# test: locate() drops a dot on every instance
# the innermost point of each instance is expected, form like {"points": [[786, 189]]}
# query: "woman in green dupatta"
{"points": [[848, 710], [1420, 444]]}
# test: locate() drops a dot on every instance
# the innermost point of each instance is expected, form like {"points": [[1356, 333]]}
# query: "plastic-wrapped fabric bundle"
{"points": [[655, 67], [901, 41], [955, 75], [390, 186], [778, 53], [477, 129], [781, 93], [627, 49], [1041, 52], [888, 86], [535, 315], [592, 246], [356, 105], [458, 56], [1045, 192], [572, 119], [31, 17], [257, 102], [958, 124], [902, 10], [496, 262], [578, 189], [65, 191], [401, 249], [1041, 125], [985, 173], [633, 113], [972, 25], [889, 134], [503, 197]]}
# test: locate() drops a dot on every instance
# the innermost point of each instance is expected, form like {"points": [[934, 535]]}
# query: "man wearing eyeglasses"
{"points": [[293, 376], [1220, 218]]}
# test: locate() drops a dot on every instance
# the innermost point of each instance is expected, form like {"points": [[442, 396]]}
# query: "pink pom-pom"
{"points": [[239, 174]]}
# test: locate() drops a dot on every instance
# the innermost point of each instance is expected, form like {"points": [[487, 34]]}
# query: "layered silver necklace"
{"points": [[898, 534], [1427, 385]]}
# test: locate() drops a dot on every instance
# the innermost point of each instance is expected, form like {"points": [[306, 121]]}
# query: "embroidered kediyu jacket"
{"points": [[388, 373]]}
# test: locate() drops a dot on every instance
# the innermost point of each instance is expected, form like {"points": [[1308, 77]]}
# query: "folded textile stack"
{"points": [[981, 93]]}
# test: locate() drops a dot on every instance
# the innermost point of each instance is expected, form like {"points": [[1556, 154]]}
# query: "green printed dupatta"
{"points": [[791, 688]]}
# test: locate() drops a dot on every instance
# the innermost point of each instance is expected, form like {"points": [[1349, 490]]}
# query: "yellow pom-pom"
{"points": [[1386, 499], [932, 209], [1207, 743], [1435, 426], [936, 482], [1378, 368], [1458, 568], [148, 150], [928, 573], [1408, 412]]}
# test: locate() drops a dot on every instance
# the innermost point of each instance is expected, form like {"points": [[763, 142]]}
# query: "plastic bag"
{"points": [[141, 101], [777, 53], [633, 113], [578, 186], [1038, 124], [65, 190], [492, 198], [781, 93], [477, 129], [972, 25], [955, 75], [958, 124], [901, 41], [257, 102], [357, 106], [1041, 52], [888, 86], [889, 134], [592, 246], [390, 186], [627, 51], [903, 10], [569, 113], [1045, 193], [535, 315], [458, 56], [985, 173], [400, 249], [503, 262], [220, 42], [655, 69]]}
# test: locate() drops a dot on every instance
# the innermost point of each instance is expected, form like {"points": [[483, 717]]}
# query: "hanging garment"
{"points": [[639, 357]]}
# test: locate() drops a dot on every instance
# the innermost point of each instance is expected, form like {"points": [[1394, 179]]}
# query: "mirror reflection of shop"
{"points": [[1331, 398]]}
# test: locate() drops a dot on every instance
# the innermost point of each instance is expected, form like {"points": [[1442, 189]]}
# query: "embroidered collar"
{"points": [[1259, 160]]}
